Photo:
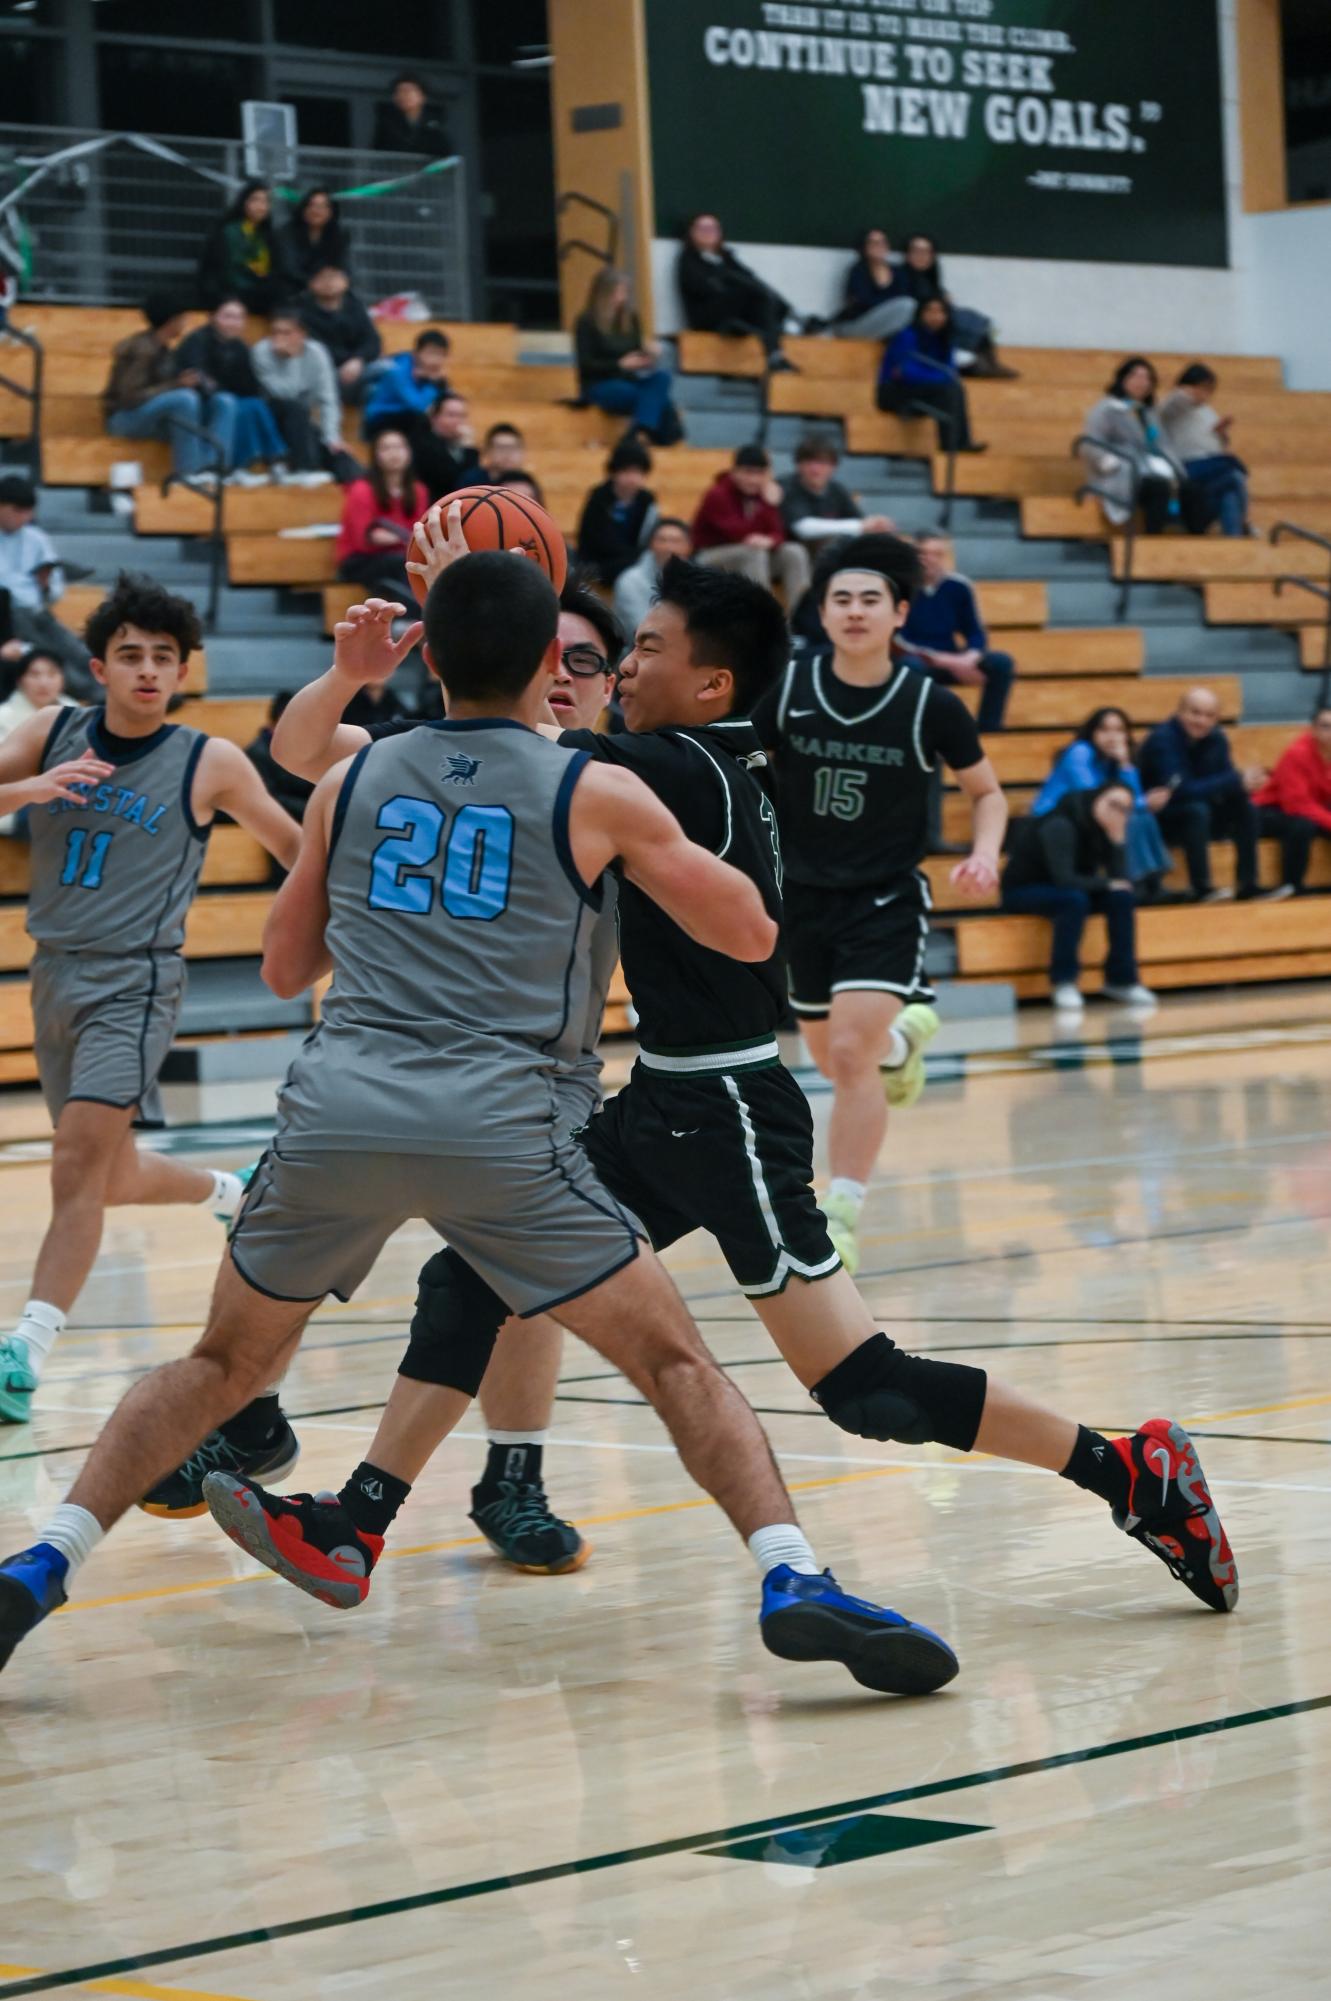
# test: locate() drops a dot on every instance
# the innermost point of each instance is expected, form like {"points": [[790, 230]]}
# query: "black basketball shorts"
{"points": [[856, 940], [728, 1152]]}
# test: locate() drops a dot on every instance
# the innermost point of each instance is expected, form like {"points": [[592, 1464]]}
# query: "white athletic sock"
{"points": [[516, 1437], [74, 1532], [842, 1186], [898, 1049], [782, 1543], [38, 1327], [228, 1193]]}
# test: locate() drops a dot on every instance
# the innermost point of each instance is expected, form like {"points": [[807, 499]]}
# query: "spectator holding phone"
{"points": [[1207, 798], [1199, 440]]}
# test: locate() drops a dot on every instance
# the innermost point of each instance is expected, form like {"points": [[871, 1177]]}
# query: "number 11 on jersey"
{"points": [[82, 869]]}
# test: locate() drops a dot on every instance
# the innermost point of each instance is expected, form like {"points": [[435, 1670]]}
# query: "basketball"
{"points": [[501, 517]]}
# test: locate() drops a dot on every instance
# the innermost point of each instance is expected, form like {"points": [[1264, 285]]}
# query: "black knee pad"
{"points": [[879, 1392], [455, 1326]]}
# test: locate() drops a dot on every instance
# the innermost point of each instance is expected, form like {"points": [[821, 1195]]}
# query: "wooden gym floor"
{"points": [[572, 1789]]}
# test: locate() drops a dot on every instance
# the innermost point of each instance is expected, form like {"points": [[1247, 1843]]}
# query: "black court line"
{"points": [[454, 1893]]}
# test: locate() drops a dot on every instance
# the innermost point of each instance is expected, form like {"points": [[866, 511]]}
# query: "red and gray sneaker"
{"points": [[1170, 1510], [309, 1539]]}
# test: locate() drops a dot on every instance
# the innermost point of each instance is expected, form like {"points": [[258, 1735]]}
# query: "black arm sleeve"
{"points": [[676, 771], [949, 731]]}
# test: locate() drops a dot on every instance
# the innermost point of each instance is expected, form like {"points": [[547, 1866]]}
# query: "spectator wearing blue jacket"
{"points": [[919, 371], [945, 638], [1101, 754], [1208, 796], [403, 398]]}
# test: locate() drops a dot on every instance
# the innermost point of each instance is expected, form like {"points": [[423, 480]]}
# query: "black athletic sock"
{"points": [[250, 1428], [1096, 1466], [372, 1497], [511, 1462]]}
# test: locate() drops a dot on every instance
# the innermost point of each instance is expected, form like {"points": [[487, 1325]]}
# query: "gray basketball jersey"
{"points": [[459, 932], [117, 873]]}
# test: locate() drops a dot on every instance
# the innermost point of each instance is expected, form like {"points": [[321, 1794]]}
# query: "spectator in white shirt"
{"points": [[39, 684], [300, 382], [31, 581], [636, 587], [1199, 439], [816, 507]]}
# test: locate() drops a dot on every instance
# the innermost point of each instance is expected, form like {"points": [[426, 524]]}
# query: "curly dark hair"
{"points": [[142, 601]]}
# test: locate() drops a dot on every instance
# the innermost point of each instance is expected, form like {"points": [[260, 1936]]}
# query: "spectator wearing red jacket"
{"points": [[1294, 805], [378, 515], [739, 526]]}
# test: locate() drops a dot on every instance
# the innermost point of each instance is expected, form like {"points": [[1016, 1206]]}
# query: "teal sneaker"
{"points": [[919, 1024], [18, 1381], [244, 1176], [842, 1217]]}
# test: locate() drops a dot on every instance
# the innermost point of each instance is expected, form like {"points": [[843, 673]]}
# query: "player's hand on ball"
{"points": [[364, 648], [441, 538], [977, 875], [69, 781]]}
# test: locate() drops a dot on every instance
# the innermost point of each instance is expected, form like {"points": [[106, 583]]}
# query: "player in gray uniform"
{"points": [[119, 806], [450, 877]]}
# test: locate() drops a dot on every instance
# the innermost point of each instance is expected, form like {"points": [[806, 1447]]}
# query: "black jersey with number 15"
{"points": [[853, 769]]}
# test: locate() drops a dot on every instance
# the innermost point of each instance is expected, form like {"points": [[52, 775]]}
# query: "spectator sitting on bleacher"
{"points": [[144, 397], [618, 516], [973, 333], [1294, 805], [945, 638], [739, 527], [1101, 752], [409, 123], [878, 301], [1143, 459], [38, 684], [447, 459], [527, 482], [918, 376], [1209, 798], [618, 370], [299, 380], [216, 359], [722, 295], [338, 320], [291, 793], [31, 581], [1063, 866], [635, 587], [405, 393], [504, 450], [815, 507], [314, 239], [379, 512], [1199, 440], [241, 256]]}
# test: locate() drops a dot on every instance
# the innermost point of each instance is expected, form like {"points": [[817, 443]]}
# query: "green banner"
{"points": [[1008, 128]]}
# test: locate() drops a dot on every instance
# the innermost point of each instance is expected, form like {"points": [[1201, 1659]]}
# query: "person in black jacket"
{"points": [[331, 313], [1068, 863], [215, 360], [446, 457], [618, 370], [314, 238], [1207, 797], [619, 515], [722, 295], [409, 123]]}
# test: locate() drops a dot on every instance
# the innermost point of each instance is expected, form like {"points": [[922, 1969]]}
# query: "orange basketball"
{"points": [[503, 517]]}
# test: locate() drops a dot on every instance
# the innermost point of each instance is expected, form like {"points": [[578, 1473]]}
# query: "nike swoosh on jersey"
{"points": [[795, 714]]}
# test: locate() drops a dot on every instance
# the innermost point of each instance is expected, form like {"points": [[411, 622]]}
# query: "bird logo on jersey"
{"points": [[461, 769]]}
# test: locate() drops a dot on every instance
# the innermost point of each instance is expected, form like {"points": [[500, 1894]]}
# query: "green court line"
{"points": [[522, 1879]]}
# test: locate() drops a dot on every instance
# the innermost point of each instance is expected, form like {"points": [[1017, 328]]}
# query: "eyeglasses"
{"points": [[584, 661]]}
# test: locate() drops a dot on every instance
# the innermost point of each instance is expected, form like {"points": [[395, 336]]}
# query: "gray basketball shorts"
{"points": [[103, 1026], [539, 1229]]}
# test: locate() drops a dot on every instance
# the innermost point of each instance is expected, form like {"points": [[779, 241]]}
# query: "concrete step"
{"points": [[1218, 649], [237, 665], [227, 995], [1085, 603]]}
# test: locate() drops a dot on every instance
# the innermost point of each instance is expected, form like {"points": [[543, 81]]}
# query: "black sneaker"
{"points": [[516, 1521], [180, 1497], [32, 1583], [309, 1539]]}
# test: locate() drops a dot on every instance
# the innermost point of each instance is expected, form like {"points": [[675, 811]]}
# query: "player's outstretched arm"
{"points": [[615, 815], [989, 817], [294, 952], [24, 783], [227, 782], [311, 736]]}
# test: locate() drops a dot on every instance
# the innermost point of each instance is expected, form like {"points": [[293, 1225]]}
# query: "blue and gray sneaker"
{"points": [[812, 1619], [32, 1583]]}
